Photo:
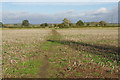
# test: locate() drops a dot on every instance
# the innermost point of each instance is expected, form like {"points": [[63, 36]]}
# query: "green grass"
{"points": [[88, 61], [79, 74], [96, 74], [51, 60], [28, 67], [63, 59]]}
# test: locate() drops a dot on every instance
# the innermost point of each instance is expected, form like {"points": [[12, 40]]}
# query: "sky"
{"points": [[60, 0], [55, 12]]}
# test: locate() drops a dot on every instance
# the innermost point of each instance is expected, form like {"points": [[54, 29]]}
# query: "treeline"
{"points": [[66, 23]]}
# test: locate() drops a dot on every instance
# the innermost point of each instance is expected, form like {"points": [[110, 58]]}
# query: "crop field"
{"points": [[60, 53]]}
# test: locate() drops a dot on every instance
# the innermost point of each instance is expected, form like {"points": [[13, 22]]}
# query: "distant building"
{"points": [[91, 24], [8, 25]]}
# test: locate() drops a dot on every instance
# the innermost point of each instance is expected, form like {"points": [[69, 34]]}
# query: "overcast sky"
{"points": [[55, 12]]}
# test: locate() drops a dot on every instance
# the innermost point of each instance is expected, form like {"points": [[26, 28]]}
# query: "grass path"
{"points": [[45, 64], [44, 68]]}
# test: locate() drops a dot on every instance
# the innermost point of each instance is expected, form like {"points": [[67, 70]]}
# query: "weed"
{"points": [[96, 74], [63, 59], [16, 58], [51, 60], [79, 74]]}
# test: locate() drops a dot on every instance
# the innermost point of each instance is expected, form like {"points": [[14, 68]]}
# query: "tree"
{"points": [[71, 24], [44, 25], [61, 25], [80, 23], [25, 23], [102, 23], [66, 22], [55, 25], [1, 24], [88, 24]]}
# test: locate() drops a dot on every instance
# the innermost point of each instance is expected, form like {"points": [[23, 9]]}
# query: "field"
{"points": [[60, 53]]}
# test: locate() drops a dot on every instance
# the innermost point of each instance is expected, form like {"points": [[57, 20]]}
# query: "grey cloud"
{"points": [[102, 14]]}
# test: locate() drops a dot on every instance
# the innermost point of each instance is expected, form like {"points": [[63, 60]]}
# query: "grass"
{"points": [[28, 67], [96, 74], [79, 74]]}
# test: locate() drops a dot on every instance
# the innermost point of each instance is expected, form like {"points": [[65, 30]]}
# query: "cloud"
{"points": [[37, 18], [102, 14], [101, 10], [69, 11]]}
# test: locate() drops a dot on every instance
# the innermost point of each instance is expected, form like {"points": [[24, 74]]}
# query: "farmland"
{"points": [[60, 53]]}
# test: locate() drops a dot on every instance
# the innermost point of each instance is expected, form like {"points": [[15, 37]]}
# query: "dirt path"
{"points": [[44, 67], [45, 64]]}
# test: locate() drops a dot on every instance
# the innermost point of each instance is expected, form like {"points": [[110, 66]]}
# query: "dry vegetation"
{"points": [[18, 44], [62, 53], [97, 35], [0, 53]]}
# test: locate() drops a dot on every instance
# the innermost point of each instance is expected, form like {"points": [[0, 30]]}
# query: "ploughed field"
{"points": [[60, 53]]}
